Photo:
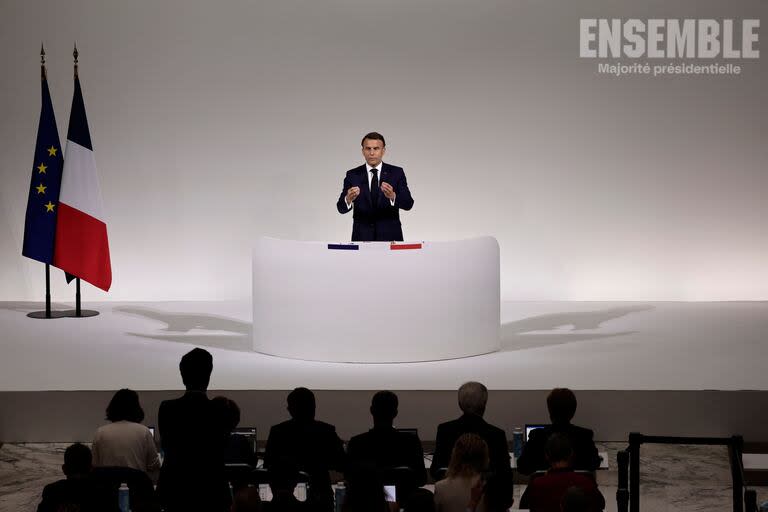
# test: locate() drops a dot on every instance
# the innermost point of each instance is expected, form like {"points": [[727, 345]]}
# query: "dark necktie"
{"points": [[375, 187]]}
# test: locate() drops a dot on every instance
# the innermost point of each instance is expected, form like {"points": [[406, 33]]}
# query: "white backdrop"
{"points": [[214, 123]]}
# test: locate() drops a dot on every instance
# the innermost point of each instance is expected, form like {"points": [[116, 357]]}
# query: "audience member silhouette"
{"points": [[561, 403], [283, 479], [193, 433], [313, 445], [469, 462], [545, 493], [384, 447], [473, 398], [247, 499], [365, 490], [79, 491], [125, 442]]}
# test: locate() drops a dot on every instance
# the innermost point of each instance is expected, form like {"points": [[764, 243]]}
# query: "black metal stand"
{"points": [[79, 312], [47, 314]]}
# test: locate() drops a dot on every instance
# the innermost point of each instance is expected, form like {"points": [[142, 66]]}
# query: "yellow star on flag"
{"points": [[41, 188], [41, 168], [49, 206], [52, 151]]}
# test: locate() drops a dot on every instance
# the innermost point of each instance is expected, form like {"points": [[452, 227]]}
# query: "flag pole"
{"points": [[47, 266], [79, 313], [78, 310], [47, 314]]}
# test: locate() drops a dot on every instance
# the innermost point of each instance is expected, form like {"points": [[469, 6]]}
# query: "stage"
{"points": [[671, 367]]}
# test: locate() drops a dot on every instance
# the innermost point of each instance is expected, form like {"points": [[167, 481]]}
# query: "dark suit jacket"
{"points": [[86, 493], [449, 432], [585, 455], [387, 448], [193, 435], [381, 221], [314, 447]]}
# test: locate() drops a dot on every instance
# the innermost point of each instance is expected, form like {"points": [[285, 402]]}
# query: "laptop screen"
{"points": [[531, 428]]}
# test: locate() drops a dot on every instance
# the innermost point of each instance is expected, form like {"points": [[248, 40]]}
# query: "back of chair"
{"points": [[140, 488]]}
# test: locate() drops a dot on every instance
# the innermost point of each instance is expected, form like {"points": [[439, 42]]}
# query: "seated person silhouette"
{"points": [[473, 398], [546, 493], [79, 491], [193, 435], [561, 404], [383, 447], [313, 445]]}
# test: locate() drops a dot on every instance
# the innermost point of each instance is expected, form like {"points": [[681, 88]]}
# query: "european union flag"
{"points": [[43, 201]]}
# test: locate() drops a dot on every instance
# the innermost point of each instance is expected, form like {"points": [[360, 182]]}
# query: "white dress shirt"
{"points": [[370, 180]]}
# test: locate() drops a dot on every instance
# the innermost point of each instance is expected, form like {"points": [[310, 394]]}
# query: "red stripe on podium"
{"points": [[403, 247]]}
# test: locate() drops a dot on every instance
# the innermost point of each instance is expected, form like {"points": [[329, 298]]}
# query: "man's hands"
{"points": [[388, 191], [352, 194]]}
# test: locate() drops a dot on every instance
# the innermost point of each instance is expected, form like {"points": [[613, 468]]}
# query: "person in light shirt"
{"points": [[125, 442]]}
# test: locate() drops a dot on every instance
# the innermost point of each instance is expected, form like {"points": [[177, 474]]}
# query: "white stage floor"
{"points": [[584, 345]]}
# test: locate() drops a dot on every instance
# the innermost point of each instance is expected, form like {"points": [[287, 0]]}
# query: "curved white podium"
{"points": [[376, 302]]}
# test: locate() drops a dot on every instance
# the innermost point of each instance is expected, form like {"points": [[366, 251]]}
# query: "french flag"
{"points": [[82, 246]]}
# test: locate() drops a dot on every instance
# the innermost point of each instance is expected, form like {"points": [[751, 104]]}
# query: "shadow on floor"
{"points": [[530, 332], [179, 325]]}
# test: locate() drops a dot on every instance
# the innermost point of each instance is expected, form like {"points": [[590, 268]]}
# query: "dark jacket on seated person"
{"points": [[314, 447], [545, 493], [386, 447], [449, 432], [84, 494], [585, 455]]}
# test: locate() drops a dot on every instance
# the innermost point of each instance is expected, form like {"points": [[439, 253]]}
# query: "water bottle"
{"points": [[339, 495], [517, 442], [123, 498]]}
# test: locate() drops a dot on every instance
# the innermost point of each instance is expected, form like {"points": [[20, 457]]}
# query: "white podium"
{"points": [[376, 302]]}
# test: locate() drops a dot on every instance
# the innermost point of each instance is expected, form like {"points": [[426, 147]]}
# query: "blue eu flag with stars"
{"points": [[43, 200]]}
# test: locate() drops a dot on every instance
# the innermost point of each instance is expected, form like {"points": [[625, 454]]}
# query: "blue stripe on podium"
{"points": [[343, 247]]}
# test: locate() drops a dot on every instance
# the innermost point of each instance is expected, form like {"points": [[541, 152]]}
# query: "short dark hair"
{"points": [[229, 410], [125, 406], [558, 448], [374, 136], [384, 406], [301, 404], [77, 459], [561, 404], [196, 367]]}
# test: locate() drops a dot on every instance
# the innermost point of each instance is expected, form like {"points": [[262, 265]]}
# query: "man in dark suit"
{"points": [[375, 192], [561, 403], [193, 435], [384, 447], [473, 398], [313, 446]]}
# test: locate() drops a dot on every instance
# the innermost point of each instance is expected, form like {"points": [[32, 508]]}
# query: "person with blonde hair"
{"points": [[469, 462]]}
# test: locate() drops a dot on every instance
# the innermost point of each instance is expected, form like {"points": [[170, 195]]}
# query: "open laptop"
{"points": [[250, 434], [530, 428]]}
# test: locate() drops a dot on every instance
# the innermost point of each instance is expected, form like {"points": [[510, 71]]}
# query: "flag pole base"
{"points": [[43, 315], [84, 313]]}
